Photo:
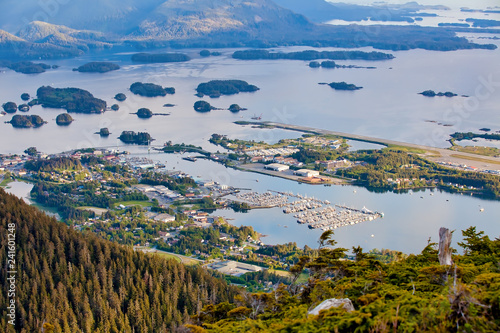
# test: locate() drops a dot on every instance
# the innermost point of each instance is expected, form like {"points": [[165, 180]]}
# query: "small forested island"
{"points": [[33, 102], [328, 64], [23, 107], [144, 113], [168, 105], [23, 121], [150, 89], [64, 119], [104, 132], [481, 23], [236, 108], [10, 107], [141, 138], [311, 55], [432, 93], [70, 99], [202, 106], [28, 67], [97, 67], [343, 86], [160, 57], [207, 53], [314, 64], [25, 97], [120, 97], [332, 64], [459, 136], [115, 107], [457, 25], [216, 88]]}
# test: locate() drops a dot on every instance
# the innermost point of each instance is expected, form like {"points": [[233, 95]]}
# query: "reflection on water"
{"points": [[22, 190]]}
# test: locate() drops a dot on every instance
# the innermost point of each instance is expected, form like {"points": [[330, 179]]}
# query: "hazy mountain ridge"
{"points": [[15, 47], [58, 35], [183, 19], [79, 26]]}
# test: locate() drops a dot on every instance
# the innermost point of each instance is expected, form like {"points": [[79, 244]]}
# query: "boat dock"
{"points": [[316, 213]]}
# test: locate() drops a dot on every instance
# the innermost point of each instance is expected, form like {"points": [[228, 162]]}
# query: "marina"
{"points": [[316, 213]]}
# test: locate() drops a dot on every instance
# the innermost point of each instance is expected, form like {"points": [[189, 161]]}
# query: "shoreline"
{"points": [[433, 154]]}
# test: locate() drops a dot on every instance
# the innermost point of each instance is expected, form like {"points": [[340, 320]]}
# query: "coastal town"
{"points": [[134, 200]]}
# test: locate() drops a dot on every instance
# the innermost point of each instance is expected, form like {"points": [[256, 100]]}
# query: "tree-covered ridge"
{"points": [[216, 88], [56, 163], [97, 67], [415, 294], [70, 99], [311, 55], [80, 283], [382, 168]]}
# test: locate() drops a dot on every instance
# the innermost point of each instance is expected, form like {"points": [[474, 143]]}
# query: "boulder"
{"points": [[333, 303]]}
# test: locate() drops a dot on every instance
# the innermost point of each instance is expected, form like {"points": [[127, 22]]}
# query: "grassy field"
{"points": [[96, 210], [280, 272], [406, 149], [477, 159], [133, 203], [6, 181], [486, 151], [167, 256], [302, 278], [179, 258]]}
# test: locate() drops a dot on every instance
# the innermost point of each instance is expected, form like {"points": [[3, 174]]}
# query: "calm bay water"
{"points": [[410, 219], [388, 107]]}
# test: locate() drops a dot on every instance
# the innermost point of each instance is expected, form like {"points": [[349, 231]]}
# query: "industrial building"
{"points": [[234, 268], [307, 173], [277, 167]]}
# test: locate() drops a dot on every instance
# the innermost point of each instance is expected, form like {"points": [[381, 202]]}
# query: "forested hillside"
{"points": [[414, 294], [74, 282]]}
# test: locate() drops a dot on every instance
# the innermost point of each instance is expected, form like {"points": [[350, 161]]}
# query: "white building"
{"points": [[164, 218], [277, 167], [307, 173]]}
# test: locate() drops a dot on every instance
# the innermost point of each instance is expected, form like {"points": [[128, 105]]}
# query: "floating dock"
{"points": [[316, 213]]}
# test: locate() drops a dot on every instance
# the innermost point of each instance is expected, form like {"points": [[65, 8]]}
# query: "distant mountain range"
{"points": [[80, 25], [322, 10]]}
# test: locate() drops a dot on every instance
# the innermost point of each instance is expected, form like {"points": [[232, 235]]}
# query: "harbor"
{"points": [[316, 213]]}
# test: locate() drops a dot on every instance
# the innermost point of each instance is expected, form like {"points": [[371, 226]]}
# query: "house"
{"points": [[165, 235]]}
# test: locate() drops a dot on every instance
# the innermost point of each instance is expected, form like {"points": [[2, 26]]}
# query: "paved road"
{"points": [[445, 155]]}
